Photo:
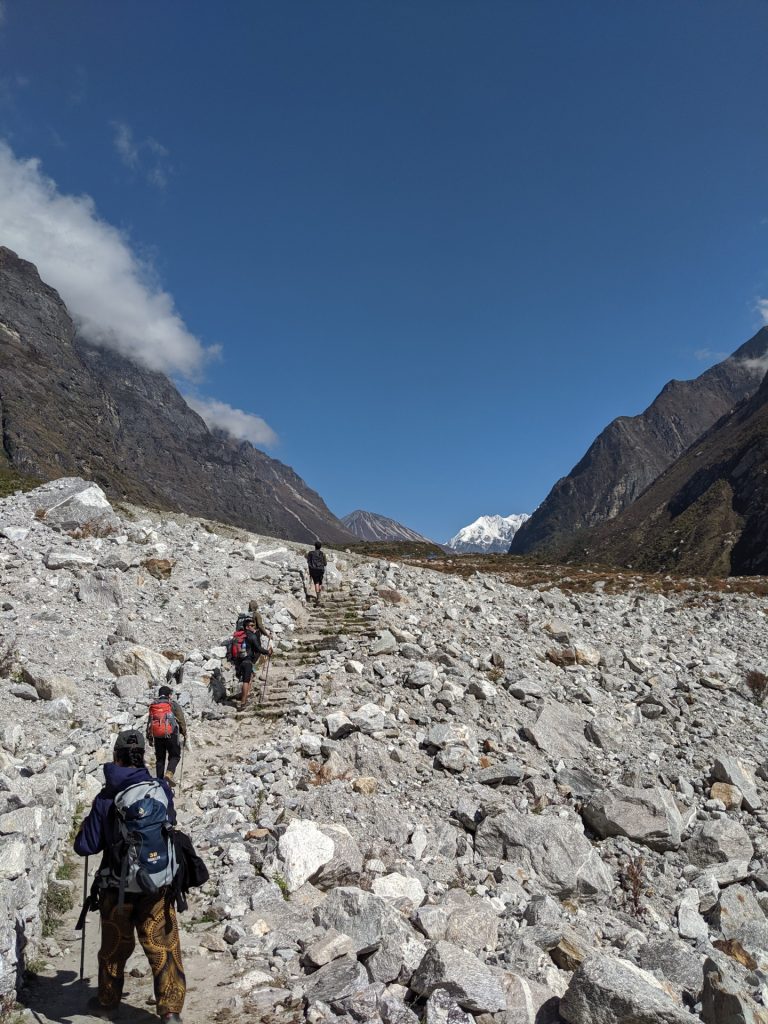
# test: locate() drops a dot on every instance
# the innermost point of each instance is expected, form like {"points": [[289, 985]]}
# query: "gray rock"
{"points": [[71, 503], [724, 1001], [442, 1008], [345, 864], [366, 918], [558, 731], [554, 849], [338, 725], [474, 926], [132, 688], [127, 659], [68, 558], [719, 841], [648, 816], [330, 947], [607, 990], [741, 775], [462, 975], [385, 644], [677, 962], [341, 979]]}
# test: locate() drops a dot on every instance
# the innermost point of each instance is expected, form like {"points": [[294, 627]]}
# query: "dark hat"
{"points": [[129, 738], [164, 691]]}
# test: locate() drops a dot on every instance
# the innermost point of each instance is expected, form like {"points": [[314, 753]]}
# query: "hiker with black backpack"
{"points": [[166, 731], [131, 821], [316, 561]]}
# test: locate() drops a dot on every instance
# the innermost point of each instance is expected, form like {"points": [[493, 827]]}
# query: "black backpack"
{"points": [[316, 560]]}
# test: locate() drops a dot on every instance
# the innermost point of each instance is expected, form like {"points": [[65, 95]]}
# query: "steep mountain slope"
{"points": [[708, 513], [487, 534], [68, 408], [633, 450], [371, 526]]}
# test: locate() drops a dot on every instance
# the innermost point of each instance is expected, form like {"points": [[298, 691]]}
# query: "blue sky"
{"points": [[440, 244]]}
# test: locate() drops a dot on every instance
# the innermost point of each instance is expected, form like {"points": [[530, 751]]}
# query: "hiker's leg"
{"points": [[159, 937], [117, 944], [247, 676], [160, 755], [174, 754]]}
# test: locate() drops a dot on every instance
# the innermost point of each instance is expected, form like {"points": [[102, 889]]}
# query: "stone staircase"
{"points": [[329, 626]]}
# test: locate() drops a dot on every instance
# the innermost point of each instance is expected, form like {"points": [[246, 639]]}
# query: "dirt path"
{"points": [[54, 994]]}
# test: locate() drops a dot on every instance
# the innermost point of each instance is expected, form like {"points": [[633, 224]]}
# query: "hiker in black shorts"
{"points": [[245, 665], [317, 562]]}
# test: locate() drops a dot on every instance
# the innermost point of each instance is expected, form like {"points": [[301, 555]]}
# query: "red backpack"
{"points": [[237, 647], [162, 721]]}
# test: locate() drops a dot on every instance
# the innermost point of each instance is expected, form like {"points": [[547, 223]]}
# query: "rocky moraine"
{"points": [[459, 800]]}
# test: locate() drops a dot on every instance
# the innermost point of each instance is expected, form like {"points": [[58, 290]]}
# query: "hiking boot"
{"points": [[170, 779], [97, 1009]]}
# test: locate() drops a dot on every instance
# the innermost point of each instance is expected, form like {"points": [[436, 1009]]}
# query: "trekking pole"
{"points": [[82, 937], [181, 767], [264, 680]]}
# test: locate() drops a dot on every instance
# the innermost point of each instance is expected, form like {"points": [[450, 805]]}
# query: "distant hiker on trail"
{"points": [[127, 822], [317, 562], [245, 651], [166, 729]]}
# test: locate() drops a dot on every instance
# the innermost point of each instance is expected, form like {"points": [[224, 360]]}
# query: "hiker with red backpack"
{"points": [[245, 650], [166, 730]]}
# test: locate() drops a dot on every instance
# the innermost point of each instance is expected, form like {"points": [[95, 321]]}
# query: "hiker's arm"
{"points": [[180, 719], [90, 837], [150, 737]]}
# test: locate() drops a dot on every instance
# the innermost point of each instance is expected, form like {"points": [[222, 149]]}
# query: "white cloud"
{"points": [[125, 145], [762, 308], [147, 157], [111, 293], [243, 426]]}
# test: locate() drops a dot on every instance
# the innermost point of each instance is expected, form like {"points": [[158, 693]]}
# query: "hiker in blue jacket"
{"points": [[153, 917]]}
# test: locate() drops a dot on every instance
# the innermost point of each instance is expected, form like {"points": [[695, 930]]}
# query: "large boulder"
{"points": [[473, 985], [128, 659], [608, 990], [361, 915], [648, 816], [343, 978], [70, 504], [553, 849], [346, 862], [303, 850], [719, 841]]}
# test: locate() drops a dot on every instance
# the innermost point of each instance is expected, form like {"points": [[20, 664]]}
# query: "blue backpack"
{"points": [[141, 857]]}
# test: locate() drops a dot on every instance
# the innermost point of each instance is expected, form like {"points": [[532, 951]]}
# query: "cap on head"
{"points": [[129, 738], [164, 691], [247, 622], [318, 545]]}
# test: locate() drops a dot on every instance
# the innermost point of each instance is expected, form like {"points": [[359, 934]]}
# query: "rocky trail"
{"points": [[461, 801]]}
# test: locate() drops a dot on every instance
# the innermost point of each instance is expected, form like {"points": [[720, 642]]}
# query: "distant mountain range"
{"points": [[370, 526], [633, 451], [487, 534], [69, 409]]}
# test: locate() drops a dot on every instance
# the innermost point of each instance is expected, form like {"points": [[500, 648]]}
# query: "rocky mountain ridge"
{"points": [[633, 451], [473, 802], [708, 513], [67, 407], [487, 534], [370, 526]]}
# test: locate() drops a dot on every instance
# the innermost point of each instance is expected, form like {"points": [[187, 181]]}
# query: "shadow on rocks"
{"points": [[62, 999]]}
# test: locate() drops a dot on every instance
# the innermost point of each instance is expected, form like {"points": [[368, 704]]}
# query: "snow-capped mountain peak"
{"points": [[488, 534]]}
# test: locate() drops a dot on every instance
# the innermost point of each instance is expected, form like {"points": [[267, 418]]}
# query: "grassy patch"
{"points": [[282, 885], [11, 480]]}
